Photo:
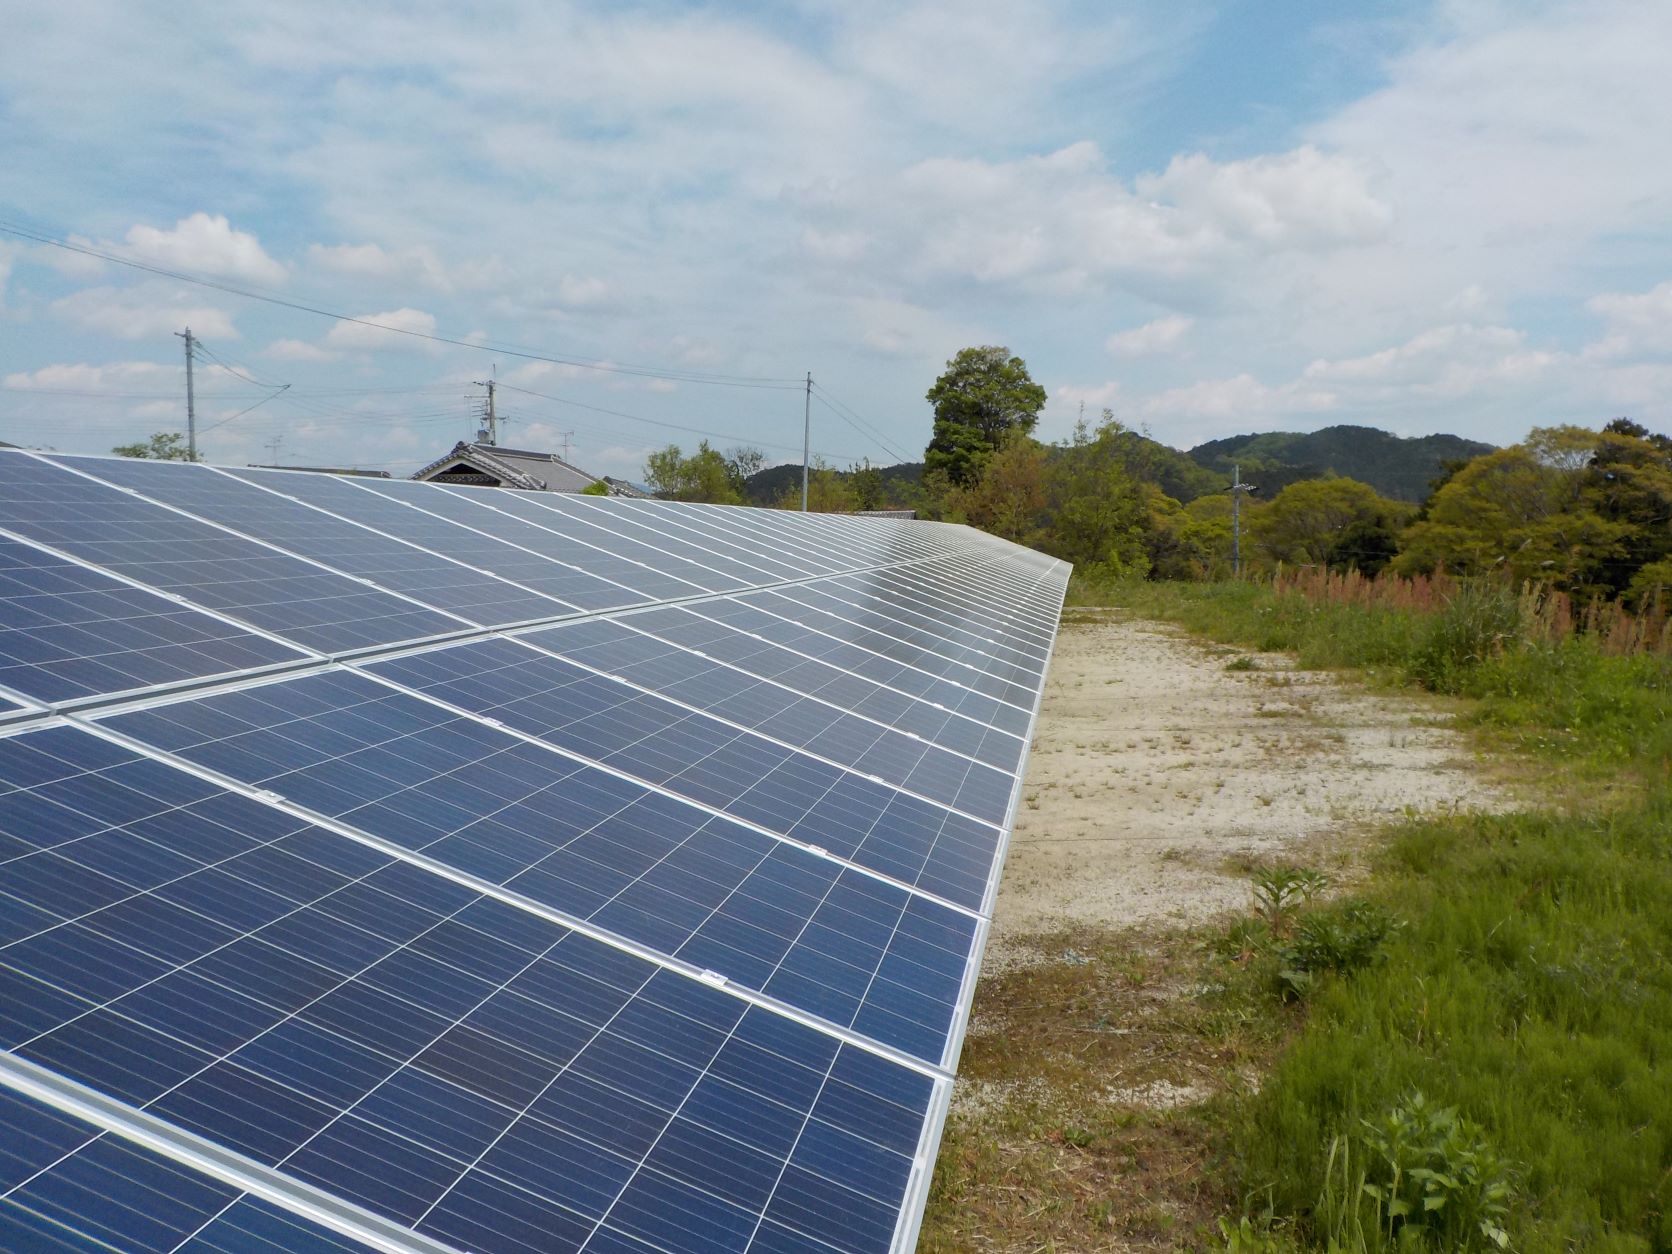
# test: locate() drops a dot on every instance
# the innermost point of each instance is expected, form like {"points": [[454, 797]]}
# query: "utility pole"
{"points": [[566, 436], [1237, 490], [273, 449], [806, 439], [191, 400], [493, 421]]}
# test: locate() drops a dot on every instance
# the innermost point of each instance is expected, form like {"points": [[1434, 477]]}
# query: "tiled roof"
{"points": [[509, 467]]}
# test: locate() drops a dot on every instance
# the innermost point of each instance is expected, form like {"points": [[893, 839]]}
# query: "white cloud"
{"points": [[580, 292], [1062, 222], [115, 376], [208, 244], [1638, 323], [72, 265], [1093, 398], [372, 261], [298, 350], [145, 311], [1161, 336], [386, 334], [1242, 399], [1449, 361], [1304, 199]]}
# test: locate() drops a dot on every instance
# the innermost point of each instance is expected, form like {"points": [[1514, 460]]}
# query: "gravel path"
{"points": [[1158, 776]]}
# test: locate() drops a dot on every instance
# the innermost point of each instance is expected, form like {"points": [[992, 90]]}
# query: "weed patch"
{"points": [[1484, 1059]]}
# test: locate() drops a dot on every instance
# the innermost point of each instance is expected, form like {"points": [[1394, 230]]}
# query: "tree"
{"points": [[1520, 511], [165, 446], [706, 475], [866, 481], [742, 464], [1009, 497], [1329, 522], [1099, 513], [828, 491], [596, 488], [984, 396]]}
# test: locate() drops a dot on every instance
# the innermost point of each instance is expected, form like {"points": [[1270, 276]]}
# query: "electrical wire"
{"points": [[844, 409], [249, 293], [672, 426], [857, 423]]}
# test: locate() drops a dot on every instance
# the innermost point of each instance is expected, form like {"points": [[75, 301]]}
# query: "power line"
{"points": [[672, 426], [677, 376], [822, 395]]}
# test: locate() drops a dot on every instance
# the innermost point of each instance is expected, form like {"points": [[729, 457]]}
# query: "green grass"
{"points": [[1529, 984]]}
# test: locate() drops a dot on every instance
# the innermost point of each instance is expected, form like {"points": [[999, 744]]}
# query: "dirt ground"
{"points": [[1109, 1025], [1162, 769]]}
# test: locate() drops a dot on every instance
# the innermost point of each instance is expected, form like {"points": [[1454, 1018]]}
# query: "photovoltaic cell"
{"points": [[432, 578], [707, 628], [436, 1056], [498, 513], [943, 694], [972, 787], [834, 617], [647, 933], [435, 532], [171, 553], [700, 758], [67, 1187], [67, 632], [856, 951]]}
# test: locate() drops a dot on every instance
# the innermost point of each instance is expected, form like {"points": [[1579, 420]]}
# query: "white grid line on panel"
{"points": [[561, 918], [266, 544], [208, 1158], [773, 739], [824, 855], [813, 657], [479, 496], [564, 606]]}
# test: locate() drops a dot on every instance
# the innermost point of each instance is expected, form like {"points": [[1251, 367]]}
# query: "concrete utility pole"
{"points": [[806, 439], [191, 400], [493, 421], [273, 448], [566, 436], [1237, 490]]}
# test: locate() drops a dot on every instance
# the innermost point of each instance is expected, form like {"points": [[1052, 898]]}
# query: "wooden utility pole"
{"points": [[191, 399], [806, 439]]}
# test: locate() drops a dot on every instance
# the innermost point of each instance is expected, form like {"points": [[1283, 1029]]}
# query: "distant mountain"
{"points": [[767, 487], [1401, 468], [1397, 467]]}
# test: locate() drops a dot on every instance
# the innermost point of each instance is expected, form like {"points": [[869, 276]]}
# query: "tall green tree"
{"points": [[1099, 514], [1563, 507], [984, 396], [165, 446], [1329, 522], [1009, 498], [868, 490], [705, 475]]}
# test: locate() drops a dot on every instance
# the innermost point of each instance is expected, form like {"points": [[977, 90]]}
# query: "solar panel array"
{"points": [[418, 868]]}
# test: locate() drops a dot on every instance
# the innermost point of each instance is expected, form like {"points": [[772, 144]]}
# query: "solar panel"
{"points": [[389, 867]]}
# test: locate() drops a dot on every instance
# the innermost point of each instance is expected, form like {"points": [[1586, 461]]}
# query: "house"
{"points": [[489, 465]]}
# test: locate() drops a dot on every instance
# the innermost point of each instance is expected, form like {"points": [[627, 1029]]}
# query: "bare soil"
{"points": [[1107, 1030], [1163, 769]]}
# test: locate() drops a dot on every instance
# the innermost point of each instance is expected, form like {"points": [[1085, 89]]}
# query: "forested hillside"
{"points": [[1402, 468]]}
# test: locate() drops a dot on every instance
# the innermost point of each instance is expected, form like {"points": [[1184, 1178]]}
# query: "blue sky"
{"points": [[1208, 217]]}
